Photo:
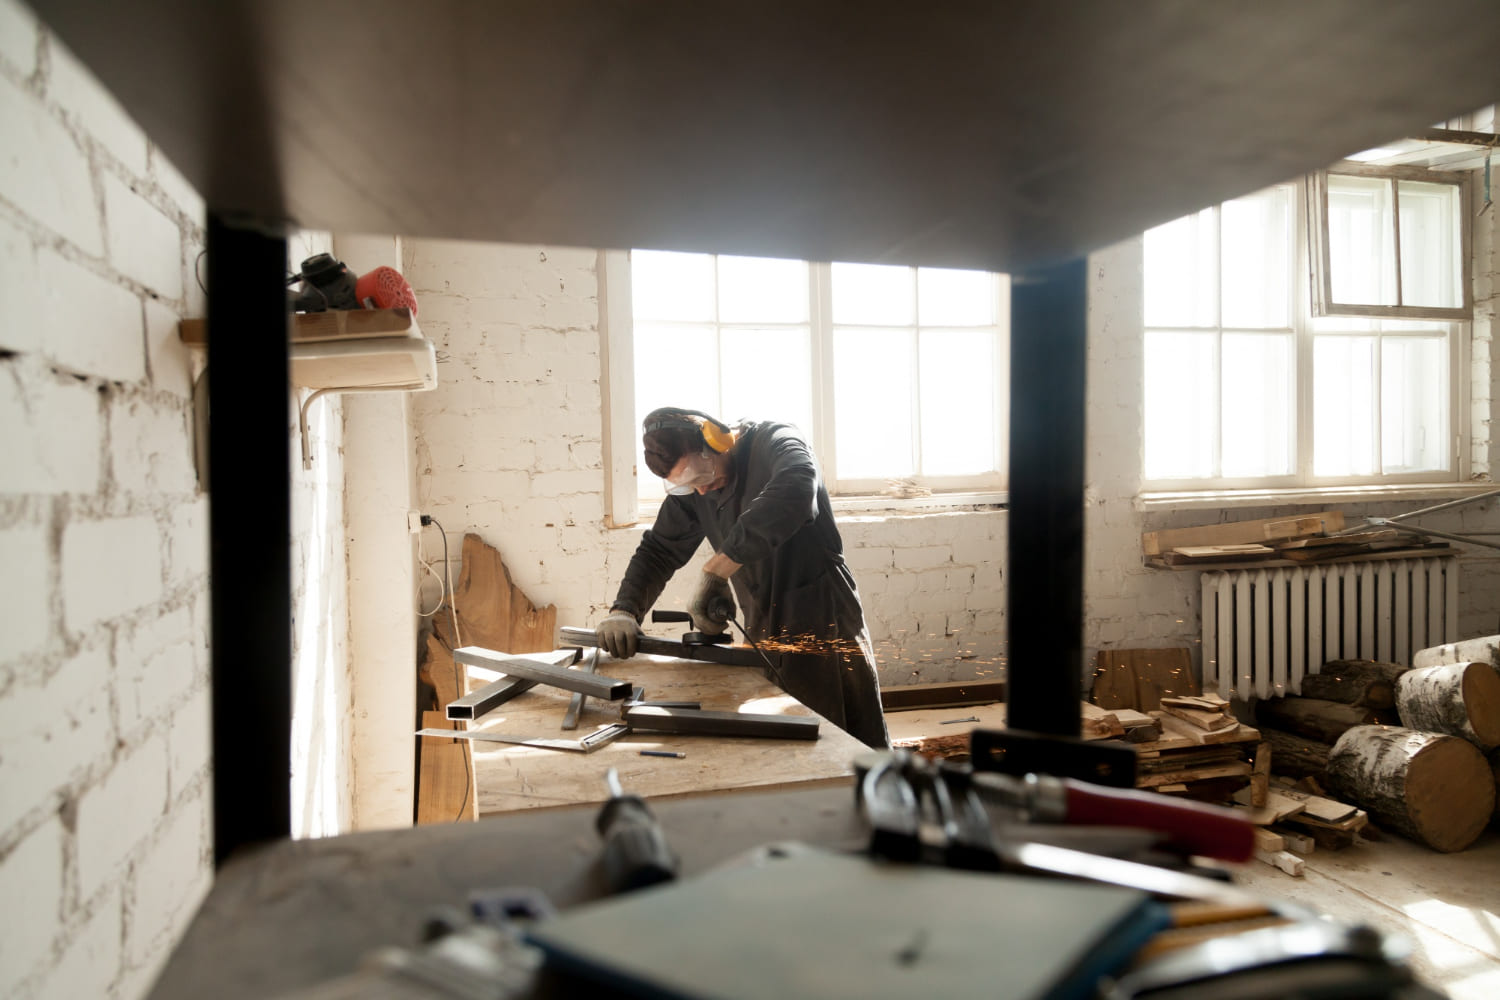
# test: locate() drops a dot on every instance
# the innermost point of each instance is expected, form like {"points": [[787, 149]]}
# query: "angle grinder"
{"points": [[720, 611]]}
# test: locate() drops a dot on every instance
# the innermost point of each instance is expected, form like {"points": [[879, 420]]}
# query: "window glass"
{"points": [[768, 375], [1361, 240], [1181, 289], [672, 286], [1413, 404], [1181, 390], [873, 294], [1344, 419], [955, 298], [958, 394], [872, 391], [1257, 407], [762, 290], [1257, 271], [1431, 248]]}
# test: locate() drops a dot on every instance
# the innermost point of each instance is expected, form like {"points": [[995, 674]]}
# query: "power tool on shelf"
{"points": [[326, 283]]}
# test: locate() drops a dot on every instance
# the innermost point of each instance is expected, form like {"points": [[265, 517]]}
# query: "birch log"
{"points": [[1296, 756], [1459, 699], [1370, 683], [1318, 718], [1485, 649], [1428, 787]]}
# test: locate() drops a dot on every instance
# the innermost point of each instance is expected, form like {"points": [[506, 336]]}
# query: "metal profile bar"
{"points": [[575, 706], [726, 656], [498, 692], [651, 719], [542, 672]]}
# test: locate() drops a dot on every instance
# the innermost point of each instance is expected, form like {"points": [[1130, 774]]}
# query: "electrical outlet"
{"points": [[414, 521]]}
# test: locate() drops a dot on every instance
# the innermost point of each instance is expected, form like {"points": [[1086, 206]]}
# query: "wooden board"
{"points": [[943, 723], [1432, 551], [492, 611], [445, 782], [338, 324], [1138, 678], [518, 777], [1155, 543], [911, 697]]}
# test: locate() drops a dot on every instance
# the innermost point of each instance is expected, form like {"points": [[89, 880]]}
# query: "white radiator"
{"points": [[1265, 629]]}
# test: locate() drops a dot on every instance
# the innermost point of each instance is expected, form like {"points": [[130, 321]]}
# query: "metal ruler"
{"points": [[587, 744]]}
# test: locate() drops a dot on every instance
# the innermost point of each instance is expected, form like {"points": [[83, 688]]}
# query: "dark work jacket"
{"points": [[773, 516]]}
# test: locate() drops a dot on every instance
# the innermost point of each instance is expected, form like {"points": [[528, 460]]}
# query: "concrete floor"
{"points": [[1447, 906]]}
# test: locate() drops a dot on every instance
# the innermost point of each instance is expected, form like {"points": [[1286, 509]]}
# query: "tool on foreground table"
{"points": [[635, 849], [1310, 959], [918, 808], [602, 736]]}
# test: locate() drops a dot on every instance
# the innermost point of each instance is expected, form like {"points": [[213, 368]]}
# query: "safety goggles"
{"points": [[692, 472]]}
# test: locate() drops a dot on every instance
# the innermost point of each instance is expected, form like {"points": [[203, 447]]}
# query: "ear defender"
{"points": [[716, 434]]}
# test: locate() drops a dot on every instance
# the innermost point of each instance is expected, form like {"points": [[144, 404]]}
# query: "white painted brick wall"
{"points": [[20, 299], [120, 812], [144, 244], [109, 568], [95, 325], [54, 428], [29, 876], [25, 592], [157, 668], [92, 959], [54, 731], [166, 891], [94, 111], [45, 171], [104, 709]]}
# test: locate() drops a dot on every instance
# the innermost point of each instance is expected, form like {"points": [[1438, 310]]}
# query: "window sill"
{"points": [[1219, 499], [879, 504]]}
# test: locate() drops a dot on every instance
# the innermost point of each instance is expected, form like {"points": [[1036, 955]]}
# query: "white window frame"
{"points": [[623, 506], [1322, 302], [1302, 478]]}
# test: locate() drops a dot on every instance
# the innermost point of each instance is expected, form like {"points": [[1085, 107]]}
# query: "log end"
{"points": [[1435, 789]]}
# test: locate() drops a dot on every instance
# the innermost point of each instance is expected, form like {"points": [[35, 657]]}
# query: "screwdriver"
{"points": [[635, 849]]}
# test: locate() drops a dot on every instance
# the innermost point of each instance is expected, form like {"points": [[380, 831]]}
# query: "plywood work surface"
{"points": [[520, 777]]}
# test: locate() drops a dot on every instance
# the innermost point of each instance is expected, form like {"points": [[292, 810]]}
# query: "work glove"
{"points": [[713, 605], [619, 634]]}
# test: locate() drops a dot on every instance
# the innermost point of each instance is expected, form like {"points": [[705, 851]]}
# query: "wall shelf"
{"points": [[347, 350]]}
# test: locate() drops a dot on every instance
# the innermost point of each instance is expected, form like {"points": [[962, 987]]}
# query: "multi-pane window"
{"points": [[896, 374], [1246, 387]]}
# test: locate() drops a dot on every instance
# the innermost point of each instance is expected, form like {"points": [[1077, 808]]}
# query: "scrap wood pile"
{"points": [[1193, 745], [1281, 541], [1205, 752], [1417, 747]]}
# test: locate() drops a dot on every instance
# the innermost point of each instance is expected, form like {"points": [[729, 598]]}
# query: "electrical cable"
{"points": [[458, 639], [458, 683], [427, 568]]}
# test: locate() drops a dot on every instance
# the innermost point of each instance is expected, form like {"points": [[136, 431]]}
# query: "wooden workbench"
{"points": [[511, 777]]}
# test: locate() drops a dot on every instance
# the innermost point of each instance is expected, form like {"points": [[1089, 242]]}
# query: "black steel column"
{"points": [[249, 535], [1044, 620]]}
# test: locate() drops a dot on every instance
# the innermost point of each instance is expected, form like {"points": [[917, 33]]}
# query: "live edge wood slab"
{"points": [[517, 777]]}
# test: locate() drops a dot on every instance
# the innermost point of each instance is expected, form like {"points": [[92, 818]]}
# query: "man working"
{"points": [[754, 491]]}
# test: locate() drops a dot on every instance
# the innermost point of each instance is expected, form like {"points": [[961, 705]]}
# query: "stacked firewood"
{"points": [[1415, 746]]}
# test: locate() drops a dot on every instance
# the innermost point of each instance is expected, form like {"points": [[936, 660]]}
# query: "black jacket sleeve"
{"points": [[663, 550]]}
